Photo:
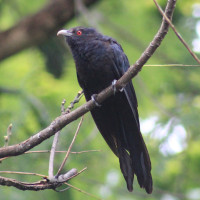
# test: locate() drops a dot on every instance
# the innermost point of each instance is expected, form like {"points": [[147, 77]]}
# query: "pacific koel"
{"points": [[99, 61]]}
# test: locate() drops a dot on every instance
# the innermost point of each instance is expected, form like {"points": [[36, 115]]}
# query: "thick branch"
{"points": [[40, 185], [35, 29], [63, 120]]}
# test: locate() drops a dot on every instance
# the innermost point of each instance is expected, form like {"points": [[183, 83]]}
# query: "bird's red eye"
{"points": [[79, 32]]}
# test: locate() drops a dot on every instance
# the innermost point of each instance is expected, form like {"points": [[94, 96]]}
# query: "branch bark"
{"points": [[40, 185], [37, 28], [63, 120]]}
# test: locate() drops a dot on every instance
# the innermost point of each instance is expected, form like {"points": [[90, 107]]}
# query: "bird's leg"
{"points": [[114, 86], [93, 98]]}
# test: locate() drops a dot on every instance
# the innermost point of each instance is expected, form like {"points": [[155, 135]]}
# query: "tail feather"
{"points": [[138, 164], [126, 168], [141, 165]]}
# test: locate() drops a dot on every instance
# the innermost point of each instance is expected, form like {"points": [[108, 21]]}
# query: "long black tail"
{"points": [[132, 151], [138, 163], [126, 168], [141, 165]]}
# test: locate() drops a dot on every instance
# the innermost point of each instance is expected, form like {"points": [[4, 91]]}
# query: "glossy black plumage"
{"points": [[99, 60]]}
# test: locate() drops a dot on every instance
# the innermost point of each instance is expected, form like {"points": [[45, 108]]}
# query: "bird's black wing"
{"points": [[134, 141], [120, 66], [118, 122]]}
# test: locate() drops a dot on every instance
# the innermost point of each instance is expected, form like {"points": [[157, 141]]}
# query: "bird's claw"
{"points": [[114, 86], [121, 90], [93, 98]]}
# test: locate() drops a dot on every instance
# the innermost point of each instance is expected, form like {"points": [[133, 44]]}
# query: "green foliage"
{"points": [[171, 94]]}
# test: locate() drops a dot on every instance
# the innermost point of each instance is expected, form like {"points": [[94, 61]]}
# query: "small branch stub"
{"points": [[9, 133]]}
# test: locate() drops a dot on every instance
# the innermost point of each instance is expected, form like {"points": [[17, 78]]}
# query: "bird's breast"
{"points": [[94, 69]]}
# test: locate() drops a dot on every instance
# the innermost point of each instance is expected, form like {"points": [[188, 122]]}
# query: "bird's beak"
{"points": [[64, 32]]}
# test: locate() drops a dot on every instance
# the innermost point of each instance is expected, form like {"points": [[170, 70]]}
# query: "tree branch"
{"points": [[63, 120], [40, 185], [37, 28], [176, 32], [54, 146]]}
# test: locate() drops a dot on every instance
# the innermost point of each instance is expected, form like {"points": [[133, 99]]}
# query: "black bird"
{"points": [[99, 60]]}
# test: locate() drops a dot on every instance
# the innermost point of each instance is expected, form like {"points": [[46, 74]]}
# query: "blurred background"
{"points": [[39, 73]]}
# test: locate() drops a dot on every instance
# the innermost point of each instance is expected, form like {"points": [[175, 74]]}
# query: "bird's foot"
{"points": [[121, 90], [93, 98], [114, 86]]}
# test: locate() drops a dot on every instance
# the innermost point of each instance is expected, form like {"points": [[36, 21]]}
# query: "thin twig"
{"points": [[73, 152], [176, 32], [62, 189], [63, 106], [52, 155], [23, 173], [9, 133], [70, 147], [76, 100], [82, 191], [172, 65], [54, 145], [48, 151]]}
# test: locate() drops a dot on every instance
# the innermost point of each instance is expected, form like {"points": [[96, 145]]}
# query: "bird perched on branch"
{"points": [[100, 60]]}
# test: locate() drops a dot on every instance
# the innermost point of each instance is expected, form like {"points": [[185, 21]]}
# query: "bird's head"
{"points": [[77, 35]]}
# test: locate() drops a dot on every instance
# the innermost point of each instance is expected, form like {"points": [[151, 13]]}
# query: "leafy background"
{"points": [[39, 78]]}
